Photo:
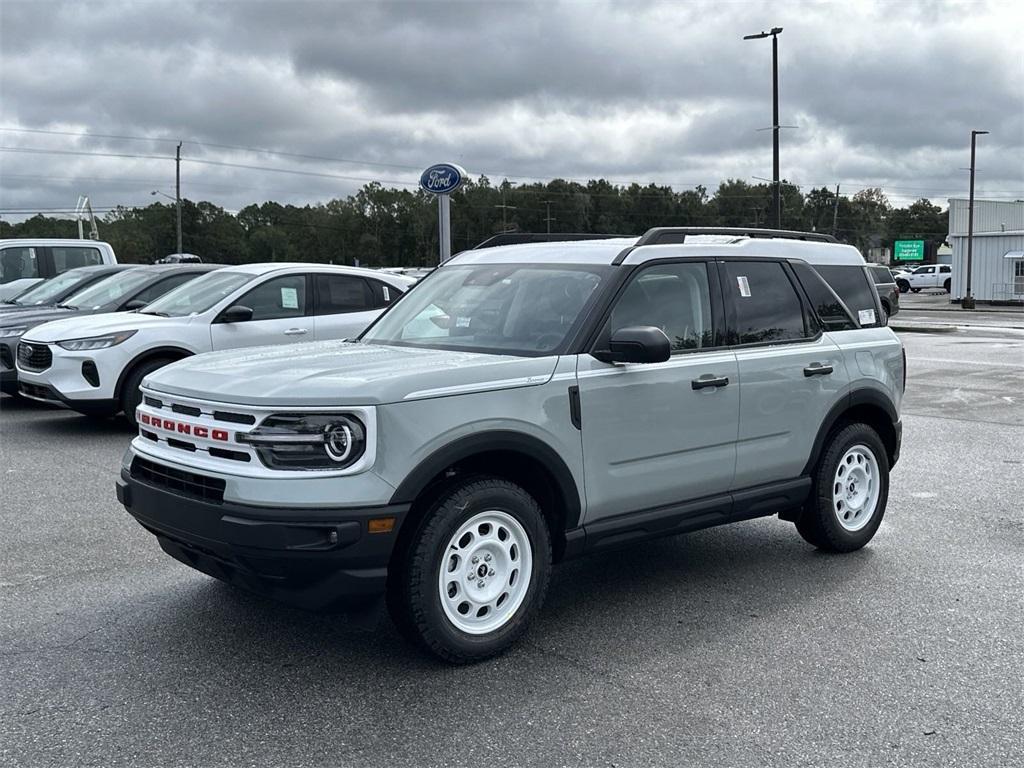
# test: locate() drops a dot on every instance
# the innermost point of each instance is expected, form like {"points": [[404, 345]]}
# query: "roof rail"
{"points": [[518, 238], [666, 235]]}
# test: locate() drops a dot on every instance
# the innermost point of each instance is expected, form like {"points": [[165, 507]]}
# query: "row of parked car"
{"points": [[87, 337]]}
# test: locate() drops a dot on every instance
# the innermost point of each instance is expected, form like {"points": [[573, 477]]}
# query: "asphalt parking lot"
{"points": [[736, 646]]}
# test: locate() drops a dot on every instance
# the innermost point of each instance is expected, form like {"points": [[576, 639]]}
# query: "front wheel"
{"points": [[474, 573], [851, 487], [131, 396]]}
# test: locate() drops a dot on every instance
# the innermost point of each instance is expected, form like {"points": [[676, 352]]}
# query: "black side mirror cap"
{"points": [[134, 304], [236, 313], [636, 344]]}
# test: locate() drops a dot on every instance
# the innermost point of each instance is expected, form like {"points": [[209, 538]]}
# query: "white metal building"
{"points": [[998, 253]]}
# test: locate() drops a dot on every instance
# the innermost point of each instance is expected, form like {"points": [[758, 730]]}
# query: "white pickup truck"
{"points": [[926, 276], [25, 262]]}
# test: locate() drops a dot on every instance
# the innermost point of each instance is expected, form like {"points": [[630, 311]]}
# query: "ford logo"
{"points": [[442, 179]]}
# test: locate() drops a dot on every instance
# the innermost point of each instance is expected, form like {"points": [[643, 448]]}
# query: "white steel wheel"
{"points": [[485, 572], [856, 488]]}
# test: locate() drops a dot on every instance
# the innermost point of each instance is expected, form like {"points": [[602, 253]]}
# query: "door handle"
{"points": [[296, 332], [817, 369], [709, 380]]}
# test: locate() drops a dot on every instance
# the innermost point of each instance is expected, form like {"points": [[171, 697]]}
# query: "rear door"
{"points": [[659, 433], [790, 372], [345, 305], [281, 314]]}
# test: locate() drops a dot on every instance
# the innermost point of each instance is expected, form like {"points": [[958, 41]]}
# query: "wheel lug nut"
{"points": [[475, 560], [487, 558], [469, 577], [490, 572], [480, 583]]}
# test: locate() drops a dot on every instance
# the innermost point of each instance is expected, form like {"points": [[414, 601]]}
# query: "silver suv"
{"points": [[520, 406]]}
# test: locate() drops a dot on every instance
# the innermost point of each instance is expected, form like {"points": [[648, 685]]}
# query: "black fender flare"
{"points": [[165, 351], [495, 440], [861, 396]]}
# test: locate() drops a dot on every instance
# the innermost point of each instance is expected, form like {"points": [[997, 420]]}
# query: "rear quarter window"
{"points": [[851, 285]]}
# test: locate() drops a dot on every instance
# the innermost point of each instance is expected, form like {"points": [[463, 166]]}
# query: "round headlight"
{"points": [[338, 442]]}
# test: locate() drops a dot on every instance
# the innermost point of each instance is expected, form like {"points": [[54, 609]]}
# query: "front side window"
{"points": [[18, 264], [673, 297], [277, 298], [768, 308], [511, 309], [199, 295], [342, 293], [50, 290], [69, 258], [858, 294]]}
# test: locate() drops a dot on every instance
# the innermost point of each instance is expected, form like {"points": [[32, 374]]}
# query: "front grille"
{"points": [[34, 357], [6, 357], [178, 481]]}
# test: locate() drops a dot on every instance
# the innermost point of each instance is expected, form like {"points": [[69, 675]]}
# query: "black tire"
{"points": [[903, 285], [885, 308], [819, 523], [413, 597], [947, 285], [130, 394], [915, 290]]}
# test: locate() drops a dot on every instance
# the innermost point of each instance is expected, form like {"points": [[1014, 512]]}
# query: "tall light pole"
{"points": [[177, 190], [968, 300], [776, 191]]}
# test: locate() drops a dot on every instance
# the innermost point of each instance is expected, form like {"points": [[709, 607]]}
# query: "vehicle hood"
{"points": [[344, 373], [31, 316], [82, 324]]}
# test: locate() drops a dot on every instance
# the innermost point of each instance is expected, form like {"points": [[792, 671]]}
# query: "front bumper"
{"points": [[312, 558]]}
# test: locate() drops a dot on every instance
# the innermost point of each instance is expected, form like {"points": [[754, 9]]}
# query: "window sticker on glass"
{"points": [[289, 298], [387, 292], [462, 322], [866, 316], [744, 286]]}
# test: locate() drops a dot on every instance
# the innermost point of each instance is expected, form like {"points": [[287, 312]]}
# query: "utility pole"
{"points": [[968, 300], [776, 190], [177, 191], [504, 210], [835, 213], [548, 218]]}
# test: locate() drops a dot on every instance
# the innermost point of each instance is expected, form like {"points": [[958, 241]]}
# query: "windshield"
{"points": [[197, 295], [50, 290], [517, 309], [115, 288]]}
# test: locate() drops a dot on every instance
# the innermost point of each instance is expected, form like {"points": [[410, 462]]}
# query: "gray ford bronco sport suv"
{"points": [[522, 405]]}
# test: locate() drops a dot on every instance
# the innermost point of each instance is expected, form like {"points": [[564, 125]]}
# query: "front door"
{"points": [[657, 434], [280, 315]]}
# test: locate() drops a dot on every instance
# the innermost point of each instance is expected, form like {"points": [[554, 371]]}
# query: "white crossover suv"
{"points": [[94, 365]]}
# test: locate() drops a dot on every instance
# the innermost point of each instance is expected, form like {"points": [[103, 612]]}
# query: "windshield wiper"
{"points": [[11, 301], [66, 306], [158, 314]]}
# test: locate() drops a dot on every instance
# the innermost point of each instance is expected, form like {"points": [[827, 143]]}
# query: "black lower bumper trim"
{"points": [[98, 407], [317, 559]]}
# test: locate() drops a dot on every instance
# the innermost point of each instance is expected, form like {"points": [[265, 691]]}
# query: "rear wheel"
{"points": [[475, 572], [946, 285], [903, 285], [851, 487], [885, 308], [131, 396]]}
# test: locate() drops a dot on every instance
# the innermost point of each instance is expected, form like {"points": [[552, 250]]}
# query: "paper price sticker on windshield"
{"points": [[744, 286], [866, 316], [289, 298]]}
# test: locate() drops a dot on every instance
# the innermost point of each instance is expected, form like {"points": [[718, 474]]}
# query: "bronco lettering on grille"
{"points": [[183, 428]]}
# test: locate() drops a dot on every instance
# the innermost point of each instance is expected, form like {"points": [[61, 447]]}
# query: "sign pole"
{"points": [[444, 227]]}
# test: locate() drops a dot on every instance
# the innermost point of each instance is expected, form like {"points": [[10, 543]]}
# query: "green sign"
{"points": [[908, 250]]}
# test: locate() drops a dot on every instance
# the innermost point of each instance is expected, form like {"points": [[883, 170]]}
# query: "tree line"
{"points": [[381, 226]]}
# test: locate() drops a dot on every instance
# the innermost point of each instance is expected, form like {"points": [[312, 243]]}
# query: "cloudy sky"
{"points": [[340, 93]]}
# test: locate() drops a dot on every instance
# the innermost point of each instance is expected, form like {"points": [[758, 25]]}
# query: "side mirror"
{"points": [[134, 304], [636, 344], [236, 314]]}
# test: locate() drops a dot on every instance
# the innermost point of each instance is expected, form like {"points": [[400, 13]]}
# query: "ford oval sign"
{"points": [[442, 179]]}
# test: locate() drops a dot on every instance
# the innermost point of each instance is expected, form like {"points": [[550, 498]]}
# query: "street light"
{"points": [[776, 196], [968, 300]]}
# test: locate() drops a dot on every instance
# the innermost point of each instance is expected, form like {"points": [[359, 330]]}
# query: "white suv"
{"points": [[94, 365]]}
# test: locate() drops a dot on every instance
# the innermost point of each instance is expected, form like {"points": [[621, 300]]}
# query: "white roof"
{"points": [[605, 251], [267, 267], [46, 241]]}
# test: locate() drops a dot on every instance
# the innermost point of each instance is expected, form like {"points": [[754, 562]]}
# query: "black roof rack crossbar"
{"points": [[666, 235], [518, 238]]}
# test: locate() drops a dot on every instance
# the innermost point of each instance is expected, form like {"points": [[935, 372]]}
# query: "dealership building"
{"points": [[997, 258]]}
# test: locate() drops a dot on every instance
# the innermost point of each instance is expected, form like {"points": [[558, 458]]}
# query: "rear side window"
{"points": [[155, 291], [852, 286], [343, 293], [831, 311], [768, 308], [383, 293], [17, 264], [70, 258]]}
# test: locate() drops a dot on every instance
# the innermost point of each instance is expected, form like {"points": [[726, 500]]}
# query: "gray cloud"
{"points": [[881, 93]]}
